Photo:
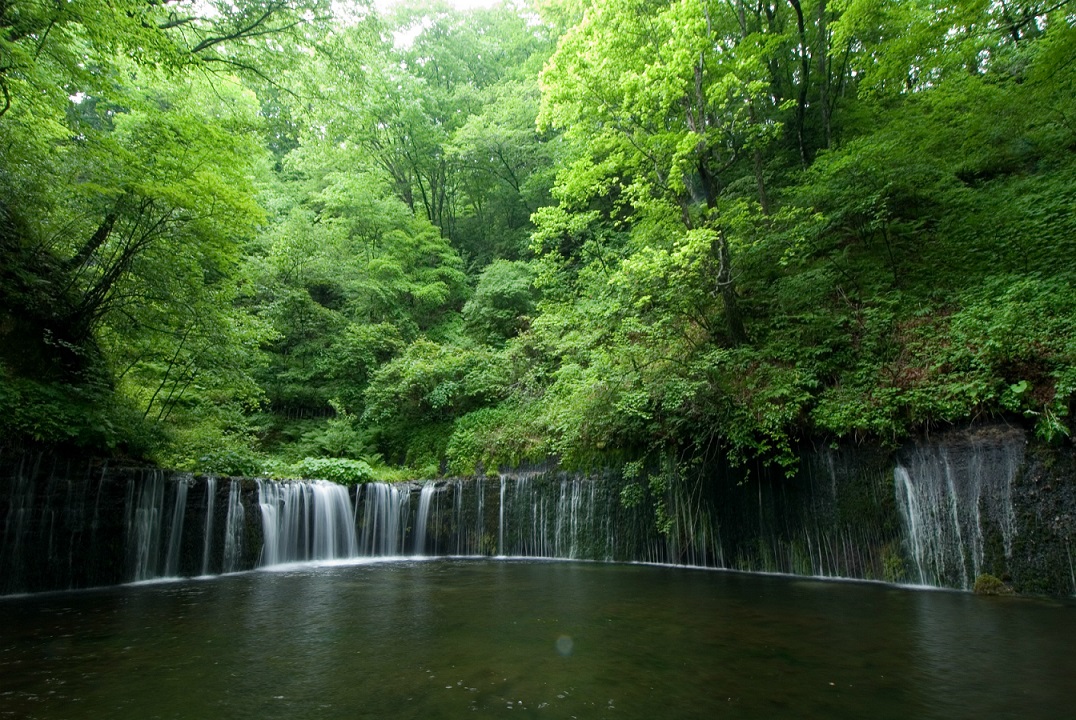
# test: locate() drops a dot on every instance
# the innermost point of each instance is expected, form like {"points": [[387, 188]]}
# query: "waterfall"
{"points": [[303, 521], [563, 517], [500, 525], [175, 533], [422, 519], [210, 503], [458, 518], [144, 525], [938, 513], [19, 514], [690, 545], [384, 520], [233, 530], [574, 503], [480, 520], [1072, 567], [956, 505], [95, 522]]}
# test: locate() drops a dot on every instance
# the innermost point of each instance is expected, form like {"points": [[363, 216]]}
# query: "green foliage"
{"points": [[208, 438], [659, 490], [237, 460], [502, 303], [344, 471], [987, 584], [86, 415], [894, 569], [124, 282], [338, 437], [462, 240], [504, 435], [434, 381], [477, 441], [632, 495]]}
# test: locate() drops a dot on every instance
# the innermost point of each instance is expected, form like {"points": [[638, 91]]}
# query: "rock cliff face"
{"points": [[73, 523], [1043, 557], [939, 511], [955, 499]]}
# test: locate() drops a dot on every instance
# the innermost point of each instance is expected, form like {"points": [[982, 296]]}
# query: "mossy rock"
{"points": [[894, 569], [987, 584]]}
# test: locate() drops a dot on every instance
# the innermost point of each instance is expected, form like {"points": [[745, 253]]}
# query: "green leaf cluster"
{"points": [[601, 232]]}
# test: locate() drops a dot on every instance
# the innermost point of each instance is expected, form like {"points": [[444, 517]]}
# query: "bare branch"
{"points": [[252, 69], [174, 22]]}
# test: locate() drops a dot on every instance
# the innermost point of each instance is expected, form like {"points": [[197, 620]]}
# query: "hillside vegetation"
{"points": [[293, 237]]}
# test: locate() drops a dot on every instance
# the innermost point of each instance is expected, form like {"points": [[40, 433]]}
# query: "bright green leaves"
{"points": [[350, 275], [51, 50], [1005, 346], [54, 50], [413, 400], [134, 181], [344, 471], [1018, 332], [502, 303], [852, 275], [704, 225], [418, 163], [447, 114], [143, 253], [915, 45]]}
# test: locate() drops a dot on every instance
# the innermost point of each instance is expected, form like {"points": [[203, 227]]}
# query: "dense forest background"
{"points": [[293, 237]]}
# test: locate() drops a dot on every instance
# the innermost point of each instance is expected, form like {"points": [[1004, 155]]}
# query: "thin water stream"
{"points": [[481, 638], [936, 514]]}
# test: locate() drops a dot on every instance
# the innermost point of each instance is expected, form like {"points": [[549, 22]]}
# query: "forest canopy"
{"points": [[294, 237]]}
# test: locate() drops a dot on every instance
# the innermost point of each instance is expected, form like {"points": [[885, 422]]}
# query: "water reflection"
{"points": [[1009, 649], [446, 638]]}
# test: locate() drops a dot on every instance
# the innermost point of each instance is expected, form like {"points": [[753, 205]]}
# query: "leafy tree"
{"points": [[265, 236], [502, 302], [129, 272]]}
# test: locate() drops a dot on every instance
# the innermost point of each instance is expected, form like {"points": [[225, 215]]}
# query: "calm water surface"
{"points": [[475, 638]]}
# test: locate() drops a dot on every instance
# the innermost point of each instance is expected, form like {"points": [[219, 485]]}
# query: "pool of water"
{"points": [[488, 638]]}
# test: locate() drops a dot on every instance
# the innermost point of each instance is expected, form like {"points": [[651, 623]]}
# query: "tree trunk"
{"points": [[95, 242], [824, 73], [726, 286], [805, 76]]}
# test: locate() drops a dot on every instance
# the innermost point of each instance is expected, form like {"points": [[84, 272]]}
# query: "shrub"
{"points": [[339, 470], [987, 584]]}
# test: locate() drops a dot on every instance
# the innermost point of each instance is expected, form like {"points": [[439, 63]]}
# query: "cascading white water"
{"points": [[565, 518], [143, 527], [699, 539], [480, 528], [952, 519], [211, 501], [20, 510], [458, 519], [578, 515], [384, 520], [233, 530], [423, 517], [949, 499], [175, 531], [303, 521], [1072, 567], [500, 525]]}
